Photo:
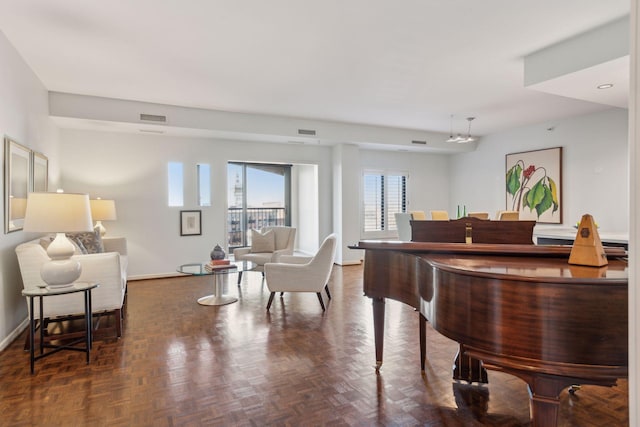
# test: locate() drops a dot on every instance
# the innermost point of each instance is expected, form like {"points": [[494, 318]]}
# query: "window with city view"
{"points": [[258, 196]]}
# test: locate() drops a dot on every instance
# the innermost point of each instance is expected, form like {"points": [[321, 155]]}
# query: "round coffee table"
{"points": [[218, 273]]}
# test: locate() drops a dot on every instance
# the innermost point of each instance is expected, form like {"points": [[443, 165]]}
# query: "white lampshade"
{"points": [[103, 210], [59, 213]]}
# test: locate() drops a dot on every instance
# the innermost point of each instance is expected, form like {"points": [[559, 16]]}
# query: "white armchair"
{"points": [[403, 224], [280, 241], [109, 269], [302, 274]]}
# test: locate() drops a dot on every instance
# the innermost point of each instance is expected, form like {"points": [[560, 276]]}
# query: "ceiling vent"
{"points": [[306, 132], [153, 118], [419, 142]]}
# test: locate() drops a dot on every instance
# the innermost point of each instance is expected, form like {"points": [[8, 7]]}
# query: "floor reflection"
{"points": [[473, 399]]}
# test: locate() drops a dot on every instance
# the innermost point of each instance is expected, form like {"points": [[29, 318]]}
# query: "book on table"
{"points": [[218, 264]]}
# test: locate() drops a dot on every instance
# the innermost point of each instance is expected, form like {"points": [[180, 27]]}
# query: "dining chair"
{"points": [[440, 215], [418, 215], [508, 215]]}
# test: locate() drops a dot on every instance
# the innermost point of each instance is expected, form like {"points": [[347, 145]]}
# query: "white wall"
{"points": [[132, 170], [595, 167], [634, 230], [427, 186], [24, 118], [304, 183]]}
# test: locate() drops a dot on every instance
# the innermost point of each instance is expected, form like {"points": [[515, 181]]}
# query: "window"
{"points": [[204, 184], [175, 184], [259, 195], [384, 194]]}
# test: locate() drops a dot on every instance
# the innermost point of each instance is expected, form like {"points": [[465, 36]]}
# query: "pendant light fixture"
{"points": [[468, 138], [451, 137]]}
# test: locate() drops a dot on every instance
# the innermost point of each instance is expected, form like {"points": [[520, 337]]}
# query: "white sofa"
{"points": [[109, 269]]}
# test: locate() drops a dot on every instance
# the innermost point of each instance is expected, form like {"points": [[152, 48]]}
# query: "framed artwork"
{"points": [[190, 223], [17, 183], [40, 172], [534, 184]]}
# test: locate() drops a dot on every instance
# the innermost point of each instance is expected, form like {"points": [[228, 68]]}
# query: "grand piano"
{"points": [[515, 307]]}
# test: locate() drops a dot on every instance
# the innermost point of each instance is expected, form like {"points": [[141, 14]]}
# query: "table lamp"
{"points": [[59, 213], [102, 210]]}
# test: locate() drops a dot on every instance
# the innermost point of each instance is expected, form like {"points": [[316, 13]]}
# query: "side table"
{"points": [[40, 293]]}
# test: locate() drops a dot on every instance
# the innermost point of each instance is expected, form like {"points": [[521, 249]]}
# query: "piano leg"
{"points": [[423, 340], [378, 329], [466, 368], [544, 392]]}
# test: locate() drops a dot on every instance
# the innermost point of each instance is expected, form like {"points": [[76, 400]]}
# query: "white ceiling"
{"points": [[404, 63]]}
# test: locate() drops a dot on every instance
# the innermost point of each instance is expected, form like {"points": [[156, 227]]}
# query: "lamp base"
{"points": [[100, 228], [60, 272], [61, 269]]}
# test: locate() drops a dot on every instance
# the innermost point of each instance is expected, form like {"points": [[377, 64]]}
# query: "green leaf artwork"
{"points": [[540, 195]]}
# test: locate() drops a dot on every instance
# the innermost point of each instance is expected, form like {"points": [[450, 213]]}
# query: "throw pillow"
{"points": [[262, 242], [92, 241], [79, 248]]}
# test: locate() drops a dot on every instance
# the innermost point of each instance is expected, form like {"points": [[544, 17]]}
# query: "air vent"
{"points": [[419, 142], [306, 132], [153, 118], [151, 131]]}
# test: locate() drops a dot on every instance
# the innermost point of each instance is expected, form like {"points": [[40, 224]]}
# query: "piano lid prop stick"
{"points": [[587, 247]]}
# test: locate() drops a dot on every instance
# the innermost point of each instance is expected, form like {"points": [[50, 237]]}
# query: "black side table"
{"points": [[40, 293]]}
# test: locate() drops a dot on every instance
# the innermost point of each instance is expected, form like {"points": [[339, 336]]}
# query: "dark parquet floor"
{"points": [[182, 364]]}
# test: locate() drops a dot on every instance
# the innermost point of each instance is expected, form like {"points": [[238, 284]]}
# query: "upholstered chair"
{"points": [[403, 225], [302, 274], [267, 245]]}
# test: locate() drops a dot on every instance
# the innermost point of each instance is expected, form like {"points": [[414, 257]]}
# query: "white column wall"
{"points": [[346, 197], [305, 186], [634, 224]]}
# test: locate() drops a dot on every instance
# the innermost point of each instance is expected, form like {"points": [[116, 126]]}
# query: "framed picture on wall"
{"points": [[40, 171], [190, 223], [17, 183], [534, 184]]}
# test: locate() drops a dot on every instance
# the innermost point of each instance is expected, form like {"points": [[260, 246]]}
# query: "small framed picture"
{"points": [[190, 223]]}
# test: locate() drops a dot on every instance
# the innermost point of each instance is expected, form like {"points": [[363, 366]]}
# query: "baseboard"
{"points": [[153, 276], [355, 262], [14, 334]]}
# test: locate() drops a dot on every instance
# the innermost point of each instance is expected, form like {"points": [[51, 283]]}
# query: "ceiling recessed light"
{"points": [[605, 86]]}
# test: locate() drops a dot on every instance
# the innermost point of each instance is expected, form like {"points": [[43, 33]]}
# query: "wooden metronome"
{"points": [[587, 247]]}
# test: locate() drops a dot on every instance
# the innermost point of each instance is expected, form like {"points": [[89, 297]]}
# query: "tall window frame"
{"points": [[240, 216], [384, 193]]}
